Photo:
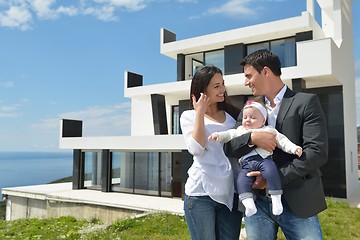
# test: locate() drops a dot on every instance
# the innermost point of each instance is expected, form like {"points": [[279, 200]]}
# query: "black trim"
{"points": [[159, 114], [303, 36], [105, 171], [183, 106], [168, 36], [298, 84], [78, 169], [71, 128], [134, 80], [180, 67]]}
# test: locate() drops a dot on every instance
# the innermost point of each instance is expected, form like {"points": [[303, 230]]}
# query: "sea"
{"points": [[33, 168]]}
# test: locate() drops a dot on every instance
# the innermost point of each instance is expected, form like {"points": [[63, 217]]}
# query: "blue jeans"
{"points": [[210, 220], [264, 225]]}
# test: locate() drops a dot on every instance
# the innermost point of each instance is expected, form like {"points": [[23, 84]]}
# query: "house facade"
{"points": [[316, 56]]}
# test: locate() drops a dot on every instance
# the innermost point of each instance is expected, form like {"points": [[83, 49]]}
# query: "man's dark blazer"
{"points": [[302, 120]]}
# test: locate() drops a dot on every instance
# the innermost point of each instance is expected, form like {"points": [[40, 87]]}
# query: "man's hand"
{"points": [[260, 182], [264, 140]]}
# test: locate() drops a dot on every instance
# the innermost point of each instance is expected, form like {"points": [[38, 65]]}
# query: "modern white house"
{"points": [[317, 55]]}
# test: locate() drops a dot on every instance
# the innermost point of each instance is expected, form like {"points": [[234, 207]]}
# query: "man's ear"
{"points": [[266, 70]]}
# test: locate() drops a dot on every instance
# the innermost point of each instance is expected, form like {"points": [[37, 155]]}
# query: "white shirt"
{"points": [[211, 173], [282, 141], [273, 112]]}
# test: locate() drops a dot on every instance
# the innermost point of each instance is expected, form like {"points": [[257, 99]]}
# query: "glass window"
{"points": [[92, 170], [215, 58], [176, 178], [195, 65], [146, 173], [257, 46], [142, 172], [175, 120], [165, 173], [285, 49], [122, 172]]}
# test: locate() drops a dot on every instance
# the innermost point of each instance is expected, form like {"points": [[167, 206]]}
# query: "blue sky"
{"points": [[66, 59]]}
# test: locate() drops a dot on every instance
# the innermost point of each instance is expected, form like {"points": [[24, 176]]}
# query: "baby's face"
{"points": [[252, 118]]}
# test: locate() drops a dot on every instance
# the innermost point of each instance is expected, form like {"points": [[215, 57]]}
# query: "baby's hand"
{"points": [[298, 152], [214, 137]]}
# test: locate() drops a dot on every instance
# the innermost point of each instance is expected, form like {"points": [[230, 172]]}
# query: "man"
{"points": [[298, 116]]}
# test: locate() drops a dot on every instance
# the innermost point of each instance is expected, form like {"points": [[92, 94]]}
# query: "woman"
{"points": [[209, 189]]}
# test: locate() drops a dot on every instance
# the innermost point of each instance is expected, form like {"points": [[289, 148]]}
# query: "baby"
{"points": [[253, 120]]}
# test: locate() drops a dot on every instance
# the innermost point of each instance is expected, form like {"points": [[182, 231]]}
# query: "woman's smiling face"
{"points": [[216, 89]]}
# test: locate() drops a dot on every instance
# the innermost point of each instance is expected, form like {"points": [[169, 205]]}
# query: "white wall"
{"points": [[141, 117]]}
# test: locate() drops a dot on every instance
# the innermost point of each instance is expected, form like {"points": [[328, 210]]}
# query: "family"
{"points": [[261, 163]]}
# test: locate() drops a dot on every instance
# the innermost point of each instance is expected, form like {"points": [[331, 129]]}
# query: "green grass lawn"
{"points": [[339, 221]]}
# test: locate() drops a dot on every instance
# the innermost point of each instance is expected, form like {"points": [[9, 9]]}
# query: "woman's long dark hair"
{"points": [[199, 83]]}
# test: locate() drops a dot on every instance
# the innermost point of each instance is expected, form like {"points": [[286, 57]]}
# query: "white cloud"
{"points": [[9, 114], [16, 17], [116, 125], [24, 101], [97, 120], [105, 13], [234, 8], [21, 14], [12, 110], [130, 5], [7, 84], [44, 9], [46, 124], [105, 9], [187, 1], [7, 108], [70, 11], [96, 111]]}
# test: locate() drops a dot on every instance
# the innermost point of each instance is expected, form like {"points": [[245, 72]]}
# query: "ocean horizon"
{"points": [[33, 168]]}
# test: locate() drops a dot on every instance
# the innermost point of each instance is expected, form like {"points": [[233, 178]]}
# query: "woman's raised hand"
{"points": [[202, 103]]}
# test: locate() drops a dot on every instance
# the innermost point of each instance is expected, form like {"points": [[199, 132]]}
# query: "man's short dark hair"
{"points": [[261, 58]]}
